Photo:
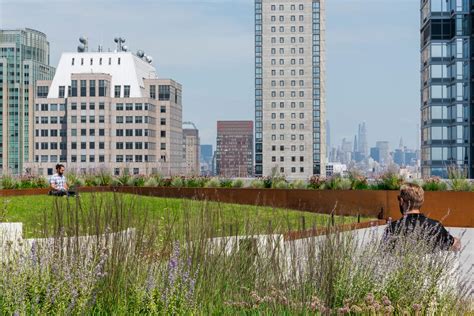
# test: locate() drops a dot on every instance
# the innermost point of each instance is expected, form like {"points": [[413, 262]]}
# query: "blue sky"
{"points": [[207, 45]]}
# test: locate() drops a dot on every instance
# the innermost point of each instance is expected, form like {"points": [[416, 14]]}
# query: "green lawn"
{"points": [[93, 211]]}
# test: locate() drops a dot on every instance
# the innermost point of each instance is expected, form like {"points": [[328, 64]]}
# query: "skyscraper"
{"points": [[447, 110], [24, 59], [234, 153], [363, 146], [191, 151], [289, 88], [328, 139]]}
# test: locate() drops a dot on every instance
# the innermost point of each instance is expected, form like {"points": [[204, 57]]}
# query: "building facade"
{"points": [[205, 156], [289, 88], [24, 59], [108, 110], [191, 151], [446, 91], [234, 153]]}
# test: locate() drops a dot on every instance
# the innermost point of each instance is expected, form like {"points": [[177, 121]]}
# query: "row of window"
{"points": [[281, 18], [282, 115], [282, 136], [55, 158], [134, 158], [282, 40], [136, 120], [63, 146], [292, 72], [292, 83], [292, 94], [91, 61], [292, 104], [292, 50], [281, 61], [62, 107], [63, 132], [138, 107], [72, 90], [281, 29], [135, 145], [282, 159], [136, 132], [281, 7], [293, 147]]}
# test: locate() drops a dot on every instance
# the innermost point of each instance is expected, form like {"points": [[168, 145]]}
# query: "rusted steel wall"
{"points": [[454, 209]]}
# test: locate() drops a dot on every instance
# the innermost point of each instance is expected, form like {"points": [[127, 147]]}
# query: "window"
{"points": [[162, 109], [101, 119], [301, 7], [138, 119], [118, 61], [102, 88], [163, 134], [152, 92], [92, 106], [119, 158], [163, 146], [83, 106], [119, 106], [164, 93], [74, 119], [163, 121], [92, 88], [128, 145], [83, 119], [138, 107], [138, 132], [101, 132], [83, 132], [129, 106], [119, 119], [117, 91], [92, 119], [119, 145], [129, 132], [129, 119], [73, 132], [101, 145], [83, 145], [119, 133], [73, 88], [126, 91], [73, 145], [83, 88], [61, 91]]}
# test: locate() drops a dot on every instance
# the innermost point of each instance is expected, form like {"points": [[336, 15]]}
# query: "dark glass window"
{"points": [[102, 88], [117, 91], [61, 91], [92, 88], [126, 91], [164, 93], [83, 88], [74, 88], [153, 92]]}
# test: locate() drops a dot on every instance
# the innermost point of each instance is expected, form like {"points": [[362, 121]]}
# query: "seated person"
{"points": [[415, 225], [58, 183]]}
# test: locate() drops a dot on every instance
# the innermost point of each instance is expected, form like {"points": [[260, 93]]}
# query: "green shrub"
{"points": [[177, 182], [358, 181], [226, 183], [238, 183], [90, 180], [195, 182], [390, 181], [434, 184], [26, 182], [123, 179], [267, 182], [213, 183], [151, 182], [104, 178], [8, 182], [73, 179], [137, 181], [257, 184], [280, 184], [299, 184], [316, 183], [458, 179]]}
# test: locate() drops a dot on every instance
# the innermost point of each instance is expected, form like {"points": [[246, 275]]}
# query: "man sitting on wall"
{"points": [[415, 225], [58, 183]]}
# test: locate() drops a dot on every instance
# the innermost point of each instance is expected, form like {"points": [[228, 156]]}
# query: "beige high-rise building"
{"points": [[290, 88], [108, 110], [191, 151]]}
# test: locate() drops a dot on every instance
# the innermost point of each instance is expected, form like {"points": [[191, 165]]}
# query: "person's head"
{"points": [[411, 197], [60, 169]]}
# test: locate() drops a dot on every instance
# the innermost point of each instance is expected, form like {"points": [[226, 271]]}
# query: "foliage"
{"points": [[257, 184], [434, 184], [104, 178], [226, 183], [298, 184], [213, 183], [458, 179], [238, 183], [390, 181], [316, 182], [337, 182], [177, 182], [201, 263], [358, 181], [196, 182], [8, 182]]}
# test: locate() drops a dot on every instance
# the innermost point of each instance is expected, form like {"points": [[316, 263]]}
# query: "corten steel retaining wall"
{"points": [[454, 209]]}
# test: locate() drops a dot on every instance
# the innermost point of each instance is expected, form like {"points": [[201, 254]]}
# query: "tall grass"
{"points": [[157, 265]]}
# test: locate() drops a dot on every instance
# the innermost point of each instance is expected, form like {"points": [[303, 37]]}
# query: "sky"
{"points": [[208, 46]]}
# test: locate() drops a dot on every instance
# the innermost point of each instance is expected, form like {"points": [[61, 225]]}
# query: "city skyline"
{"points": [[223, 48]]}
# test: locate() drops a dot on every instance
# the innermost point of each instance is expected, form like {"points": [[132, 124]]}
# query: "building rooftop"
{"points": [[125, 68]]}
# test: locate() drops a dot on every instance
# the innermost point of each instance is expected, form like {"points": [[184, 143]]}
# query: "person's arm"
{"points": [[448, 241], [456, 246], [52, 184]]}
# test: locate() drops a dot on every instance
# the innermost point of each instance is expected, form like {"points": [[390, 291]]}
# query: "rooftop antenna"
{"points": [[84, 45], [120, 47]]}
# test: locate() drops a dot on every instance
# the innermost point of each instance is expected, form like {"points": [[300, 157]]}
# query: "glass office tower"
{"points": [[446, 103], [24, 59], [289, 88]]}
